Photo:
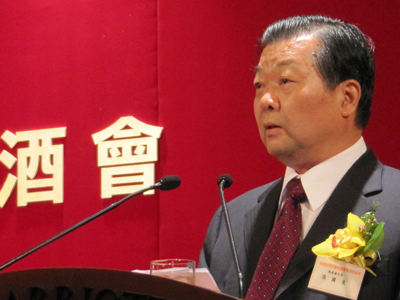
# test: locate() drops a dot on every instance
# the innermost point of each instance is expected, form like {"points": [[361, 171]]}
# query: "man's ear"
{"points": [[351, 93]]}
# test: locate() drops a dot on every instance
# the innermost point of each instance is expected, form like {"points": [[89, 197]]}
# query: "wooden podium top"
{"points": [[97, 284]]}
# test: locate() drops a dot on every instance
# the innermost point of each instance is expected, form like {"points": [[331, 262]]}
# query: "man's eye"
{"points": [[285, 80], [257, 85]]}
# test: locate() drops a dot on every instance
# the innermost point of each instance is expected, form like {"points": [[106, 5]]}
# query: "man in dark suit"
{"points": [[314, 85]]}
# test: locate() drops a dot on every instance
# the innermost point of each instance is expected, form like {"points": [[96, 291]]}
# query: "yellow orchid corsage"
{"points": [[358, 243]]}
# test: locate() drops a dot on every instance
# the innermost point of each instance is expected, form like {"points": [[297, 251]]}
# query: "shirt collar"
{"points": [[320, 181]]}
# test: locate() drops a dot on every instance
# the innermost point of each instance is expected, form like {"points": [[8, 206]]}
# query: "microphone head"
{"points": [[227, 178], [169, 182]]}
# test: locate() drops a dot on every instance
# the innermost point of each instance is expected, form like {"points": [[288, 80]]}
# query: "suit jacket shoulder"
{"points": [[253, 213]]}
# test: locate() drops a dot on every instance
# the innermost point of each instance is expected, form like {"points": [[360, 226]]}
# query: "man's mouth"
{"points": [[271, 126]]}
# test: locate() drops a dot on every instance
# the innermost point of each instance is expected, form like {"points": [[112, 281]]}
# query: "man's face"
{"points": [[299, 120]]}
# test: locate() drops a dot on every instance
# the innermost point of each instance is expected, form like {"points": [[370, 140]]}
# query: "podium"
{"points": [[97, 284]]}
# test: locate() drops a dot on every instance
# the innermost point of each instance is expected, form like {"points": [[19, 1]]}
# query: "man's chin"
{"points": [[282, 153], [277, 151]]}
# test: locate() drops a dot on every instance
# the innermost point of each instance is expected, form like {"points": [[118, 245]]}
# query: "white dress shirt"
{"points": [[320, 181]]}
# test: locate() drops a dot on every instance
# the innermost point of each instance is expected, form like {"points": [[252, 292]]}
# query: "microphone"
{"points": [[166, 183], [225, 181]]}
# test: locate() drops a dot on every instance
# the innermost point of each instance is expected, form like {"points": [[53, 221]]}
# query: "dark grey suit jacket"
{"points": [[252, 216]]}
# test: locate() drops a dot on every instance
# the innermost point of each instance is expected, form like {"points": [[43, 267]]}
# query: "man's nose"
{"points": [[269, 102]]}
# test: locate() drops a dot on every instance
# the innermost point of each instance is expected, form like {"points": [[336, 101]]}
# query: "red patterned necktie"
{"points": [[281, 245]]}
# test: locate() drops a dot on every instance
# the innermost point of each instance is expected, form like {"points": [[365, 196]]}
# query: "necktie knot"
{"points": [[295, 190]]}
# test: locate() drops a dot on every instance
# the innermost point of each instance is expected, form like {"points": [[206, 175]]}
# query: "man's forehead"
{"points": [[289, 52], [278, 64]]}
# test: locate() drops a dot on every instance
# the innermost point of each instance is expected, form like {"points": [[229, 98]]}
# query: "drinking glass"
{"points": [[183, 270]]}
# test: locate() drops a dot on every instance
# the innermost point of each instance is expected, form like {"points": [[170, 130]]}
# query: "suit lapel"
{"points": [[258, 225], [333, 216]]}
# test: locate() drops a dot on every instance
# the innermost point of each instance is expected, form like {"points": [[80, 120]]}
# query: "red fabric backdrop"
{"points": [[182, 65]]}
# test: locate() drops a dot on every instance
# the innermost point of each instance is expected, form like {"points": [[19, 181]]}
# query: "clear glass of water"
{"points": [[183, 270]]}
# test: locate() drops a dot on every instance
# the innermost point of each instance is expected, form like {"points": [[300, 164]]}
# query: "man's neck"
{"points": [[307, 162]]}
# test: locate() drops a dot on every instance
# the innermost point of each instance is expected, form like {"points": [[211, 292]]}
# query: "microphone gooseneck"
{"points": [[166, 183], [225, 181]]}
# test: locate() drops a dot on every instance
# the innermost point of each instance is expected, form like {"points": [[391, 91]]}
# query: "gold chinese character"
{"points": [[40, 152], [126, 151]]}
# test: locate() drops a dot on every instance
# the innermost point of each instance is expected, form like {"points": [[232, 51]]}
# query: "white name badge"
{"points": [[336, 277]]}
